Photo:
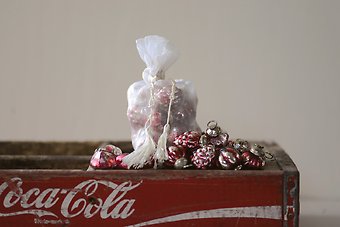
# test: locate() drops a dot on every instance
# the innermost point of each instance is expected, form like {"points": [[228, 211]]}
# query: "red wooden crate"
{"points": [[45, 184]]}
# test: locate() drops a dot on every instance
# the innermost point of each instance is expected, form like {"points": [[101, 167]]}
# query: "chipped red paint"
{"points": [[263, 198]]}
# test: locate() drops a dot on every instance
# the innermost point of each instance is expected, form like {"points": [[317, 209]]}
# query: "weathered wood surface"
{"points": [[57, 148], [63, 155], [59, 196], [51, 155]]}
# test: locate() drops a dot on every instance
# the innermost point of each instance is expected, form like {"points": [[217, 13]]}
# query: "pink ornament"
{"points": [[189, 139], [181, 115], [174, 132], [229, 158], [162, 96], [254, 158], [103, 159], [113, 149], [220, 140], [175, 153], [119, 161], [203, 157], [136, 116]]}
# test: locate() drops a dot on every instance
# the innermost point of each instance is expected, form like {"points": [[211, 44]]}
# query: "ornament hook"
{"points": [[212, 124]]}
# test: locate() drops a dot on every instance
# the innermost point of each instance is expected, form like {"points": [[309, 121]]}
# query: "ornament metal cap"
{"points": [[213, 129], [241, 145], [258, 150], [180, 163]]}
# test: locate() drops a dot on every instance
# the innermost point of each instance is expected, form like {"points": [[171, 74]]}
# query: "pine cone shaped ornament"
{"points": [[189, 139], [254, 158], [202, 158], [229, 158]]}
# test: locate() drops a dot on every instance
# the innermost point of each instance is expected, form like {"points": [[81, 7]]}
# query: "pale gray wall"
{"points": [[262, 69]]}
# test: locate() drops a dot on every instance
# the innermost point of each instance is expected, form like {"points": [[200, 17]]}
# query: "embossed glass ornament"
{"points": [[105, 158], [119, 161], [214, 135], [229, 158], [202, 158], [240, 145], [175, 153], [254, 158], [189, 139]]}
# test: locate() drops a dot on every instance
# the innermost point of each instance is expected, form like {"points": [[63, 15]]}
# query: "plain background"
{"points": [[265, 70]]}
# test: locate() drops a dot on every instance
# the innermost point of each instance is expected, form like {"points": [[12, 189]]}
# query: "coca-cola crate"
{"points": [[45, 183]]}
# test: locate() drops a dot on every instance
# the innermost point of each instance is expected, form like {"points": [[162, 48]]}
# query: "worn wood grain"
{"points": [[72, 155], [31, 171]]}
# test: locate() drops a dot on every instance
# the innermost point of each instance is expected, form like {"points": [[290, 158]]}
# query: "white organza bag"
{"points": [[158, 109]]}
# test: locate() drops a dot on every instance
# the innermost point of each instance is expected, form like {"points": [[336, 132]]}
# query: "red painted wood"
{"points": [[166, 197], [160, 194]]}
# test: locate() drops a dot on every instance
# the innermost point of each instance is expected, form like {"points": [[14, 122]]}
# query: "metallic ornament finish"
{"points": [[189, 139], [175, 153], [253, 161], [258, 150], [181, 163], [203, 140], [103, 159], [241, 145], [220, 141], [229, 158], [210, 149], [254, 158], [213, 129], [119, 161], [202, 158], [113, 149]]}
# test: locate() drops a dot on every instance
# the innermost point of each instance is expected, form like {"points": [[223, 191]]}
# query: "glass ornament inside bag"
{"points": [[159, 109]]}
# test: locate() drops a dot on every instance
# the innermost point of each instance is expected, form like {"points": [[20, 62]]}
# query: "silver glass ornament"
{"points": [[180, 163]]}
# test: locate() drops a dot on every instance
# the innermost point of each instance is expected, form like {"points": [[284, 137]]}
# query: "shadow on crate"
{"points": [[51, 155]]}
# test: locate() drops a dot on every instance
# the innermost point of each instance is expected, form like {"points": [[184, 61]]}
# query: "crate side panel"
{"points": [[236, 200], [291, 185]]}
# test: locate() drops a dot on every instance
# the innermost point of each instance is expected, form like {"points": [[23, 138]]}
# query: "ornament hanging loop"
{"points": [[212, 124], [268, 156], [213, 130]]}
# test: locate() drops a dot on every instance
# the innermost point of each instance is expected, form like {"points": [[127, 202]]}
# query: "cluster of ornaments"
{"points": [[211, 149]]}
